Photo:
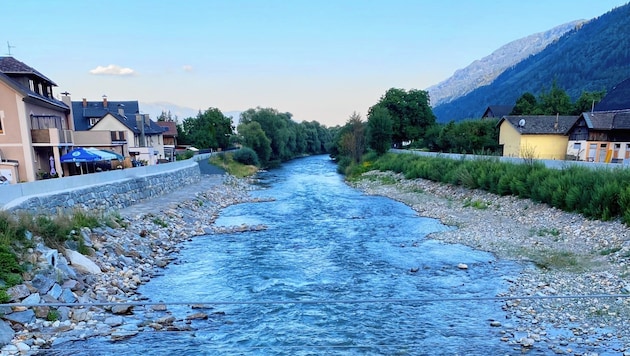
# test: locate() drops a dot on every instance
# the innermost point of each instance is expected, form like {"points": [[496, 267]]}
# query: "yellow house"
{"points": [[536, 137]]}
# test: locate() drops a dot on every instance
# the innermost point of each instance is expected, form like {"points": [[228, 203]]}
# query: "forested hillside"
{"points": [[593, 57]]}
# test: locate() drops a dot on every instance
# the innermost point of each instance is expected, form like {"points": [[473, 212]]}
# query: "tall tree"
{"points": [[210, 129], [555, 101], [587, 101], [525, 105], [379, 130], [353, 138], [253, 136], [410, 112]]}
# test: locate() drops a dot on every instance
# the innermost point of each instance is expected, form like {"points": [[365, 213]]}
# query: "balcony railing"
{"points": [[52, 136]]}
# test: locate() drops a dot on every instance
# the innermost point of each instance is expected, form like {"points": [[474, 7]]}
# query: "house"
{"points": [[35, 128], [133, 134], [539, 137], [600, 136], [497, 111], [170, 138]]}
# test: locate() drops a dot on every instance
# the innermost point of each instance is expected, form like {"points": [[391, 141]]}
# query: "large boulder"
{"points": [[82, 263], [6, 333]]}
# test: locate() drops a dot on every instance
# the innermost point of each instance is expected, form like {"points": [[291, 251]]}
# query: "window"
{"points": [[577, 146], [1, 122]]}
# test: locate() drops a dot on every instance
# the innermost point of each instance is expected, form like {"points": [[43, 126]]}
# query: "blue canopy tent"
{"points": [[80, 155]]}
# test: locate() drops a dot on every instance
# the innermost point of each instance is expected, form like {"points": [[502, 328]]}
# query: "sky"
{"points": [[319, 60]]}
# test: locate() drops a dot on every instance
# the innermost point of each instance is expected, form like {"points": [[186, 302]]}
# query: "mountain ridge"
{"points": [[594, 56]]}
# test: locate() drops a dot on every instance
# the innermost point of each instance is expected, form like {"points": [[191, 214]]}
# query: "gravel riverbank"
{"points": [[563, 255]]}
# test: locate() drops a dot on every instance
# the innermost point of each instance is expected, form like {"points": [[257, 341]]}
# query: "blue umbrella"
{"points": [[80, 155]]}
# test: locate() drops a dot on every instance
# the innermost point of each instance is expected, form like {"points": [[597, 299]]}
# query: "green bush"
{"points": [[247, 156], [598, 194]]}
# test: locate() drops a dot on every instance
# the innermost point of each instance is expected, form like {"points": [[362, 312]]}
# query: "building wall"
{"points": [[15, 137], [510, 139], [544, 146]]}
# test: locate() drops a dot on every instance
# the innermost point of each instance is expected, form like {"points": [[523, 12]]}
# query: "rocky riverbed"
{"points": [[68, 296], [564, 254]]}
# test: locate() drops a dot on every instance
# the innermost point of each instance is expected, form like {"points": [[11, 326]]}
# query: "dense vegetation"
{"points": [[594, 58], [271, 136], [598, 194]]}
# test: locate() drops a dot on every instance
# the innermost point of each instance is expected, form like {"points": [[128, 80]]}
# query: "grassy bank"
{"points": [[16, 237], [597, 194]]}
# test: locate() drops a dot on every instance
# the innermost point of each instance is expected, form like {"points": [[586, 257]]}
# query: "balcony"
{"points": [[52, 137]]}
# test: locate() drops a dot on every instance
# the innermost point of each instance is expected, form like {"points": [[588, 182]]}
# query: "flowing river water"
{"points": [[336, 272]]}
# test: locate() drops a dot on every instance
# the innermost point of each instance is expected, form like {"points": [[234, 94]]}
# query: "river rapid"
{"points": [[336, 272]]}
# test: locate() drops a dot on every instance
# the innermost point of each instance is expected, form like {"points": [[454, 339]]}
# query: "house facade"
{"points": [[602, 136], [35, 128], [536, 137], [170, 139], [133, 135]]}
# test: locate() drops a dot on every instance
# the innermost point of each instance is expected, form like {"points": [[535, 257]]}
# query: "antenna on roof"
{"points": [[521, 123], [9, 48]]}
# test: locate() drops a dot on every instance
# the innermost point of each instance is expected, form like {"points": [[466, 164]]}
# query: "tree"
{"points": [[587, 101], [353, 138], [410, 113], [210, 129], [253, 136], [555, 101], [167, 116], [525, 105], [379, 130]]}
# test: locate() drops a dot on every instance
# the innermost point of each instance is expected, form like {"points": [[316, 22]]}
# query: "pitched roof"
{"points": [[617, 99], [11, 66], [498, 110], [97, 109], [11, 70], [540, 124], [608, 120], [170, 127]]}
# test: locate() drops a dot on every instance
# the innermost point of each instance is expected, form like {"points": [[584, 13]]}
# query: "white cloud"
{"points": [[112, 69], [187, 68]]}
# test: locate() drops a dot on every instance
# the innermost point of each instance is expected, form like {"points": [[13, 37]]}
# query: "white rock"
{"points": [[82, 263]]}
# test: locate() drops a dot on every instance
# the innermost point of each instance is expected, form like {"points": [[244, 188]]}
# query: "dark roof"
{"points": [[170, 128], [608, 120], [617, 99], [97, 109], [11, 66], [12, 70], [498, 110], [540, 124]]}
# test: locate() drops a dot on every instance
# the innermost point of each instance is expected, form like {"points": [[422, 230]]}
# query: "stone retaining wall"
{"points": [[109, 196]]}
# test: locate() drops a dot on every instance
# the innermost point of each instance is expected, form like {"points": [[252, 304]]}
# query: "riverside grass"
{"points": [[55, 231], [597, 194]]}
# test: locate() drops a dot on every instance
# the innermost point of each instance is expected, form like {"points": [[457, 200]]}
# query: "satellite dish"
{"points": [[521, 123]]}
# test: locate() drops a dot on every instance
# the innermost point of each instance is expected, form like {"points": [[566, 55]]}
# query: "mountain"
{"points": [[592, 57], [484, 71]]}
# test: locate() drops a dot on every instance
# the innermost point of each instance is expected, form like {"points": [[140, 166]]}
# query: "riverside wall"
{"points": [[102, 192]]}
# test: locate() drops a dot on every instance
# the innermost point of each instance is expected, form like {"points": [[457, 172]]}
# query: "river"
{"points": [[336, 272]]}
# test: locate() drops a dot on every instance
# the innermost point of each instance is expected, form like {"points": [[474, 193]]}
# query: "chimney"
{"points": [[147, 120], [121, 109], [140, 124], [84, 102], [105, 101]]}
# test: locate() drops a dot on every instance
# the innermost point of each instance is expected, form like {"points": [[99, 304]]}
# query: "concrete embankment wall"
{"points": [[103, 191]]}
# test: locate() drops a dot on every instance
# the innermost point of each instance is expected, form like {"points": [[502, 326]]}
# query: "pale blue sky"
{"points": [[320, 60]]}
